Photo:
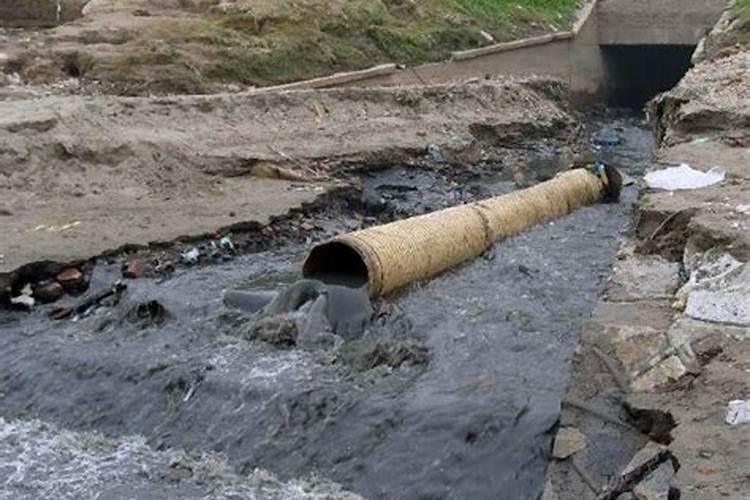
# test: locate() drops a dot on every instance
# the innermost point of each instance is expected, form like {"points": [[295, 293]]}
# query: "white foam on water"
{"points": [[40, 461]]}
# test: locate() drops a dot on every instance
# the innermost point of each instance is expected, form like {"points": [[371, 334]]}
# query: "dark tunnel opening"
{"points": [[638, 73]]}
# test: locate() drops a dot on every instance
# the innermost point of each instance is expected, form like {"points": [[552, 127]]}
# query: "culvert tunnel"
{"points": [[638, 73]]}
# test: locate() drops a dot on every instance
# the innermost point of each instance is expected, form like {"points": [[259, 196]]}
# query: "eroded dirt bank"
{"points": [[669, 346], [133, 171]]}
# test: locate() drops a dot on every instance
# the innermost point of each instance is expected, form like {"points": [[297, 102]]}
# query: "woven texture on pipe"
{"points": [[420, 247], [513, 213]]}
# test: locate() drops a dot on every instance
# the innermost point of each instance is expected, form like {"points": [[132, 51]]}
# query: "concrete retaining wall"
{"points": [[557, 55], [576, 56], [546, 55], [657, 22], [537, 56]]}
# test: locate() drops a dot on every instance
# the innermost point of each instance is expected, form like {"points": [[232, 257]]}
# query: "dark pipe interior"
{"points": [[336, 263], [638, 73]]}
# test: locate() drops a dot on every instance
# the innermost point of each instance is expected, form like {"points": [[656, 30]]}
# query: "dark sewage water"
{"points": [[453, 392]]}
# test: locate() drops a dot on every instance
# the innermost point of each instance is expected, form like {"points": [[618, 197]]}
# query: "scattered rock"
{"points": [[134, 268], [49, 291], [636, 346], [669, 370], [72, 280], [569, 440], [656, 484], [725, 300], [70, 276]]}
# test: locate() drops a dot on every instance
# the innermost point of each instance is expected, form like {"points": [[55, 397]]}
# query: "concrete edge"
{"points": [[584, 16], [335, 79], [508, 46]]}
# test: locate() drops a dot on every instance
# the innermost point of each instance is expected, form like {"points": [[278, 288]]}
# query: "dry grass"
{"points": [[263, 42]]}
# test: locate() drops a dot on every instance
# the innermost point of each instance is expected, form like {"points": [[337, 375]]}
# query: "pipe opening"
{"points": [[336, 263], [638, 73]]}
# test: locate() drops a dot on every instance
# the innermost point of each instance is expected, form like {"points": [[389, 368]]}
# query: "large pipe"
{"points": [[390, 256]]}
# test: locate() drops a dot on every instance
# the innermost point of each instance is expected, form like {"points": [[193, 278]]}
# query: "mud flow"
{"points": [[449, 389]]}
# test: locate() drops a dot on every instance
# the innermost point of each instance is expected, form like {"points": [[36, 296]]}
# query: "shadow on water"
{"points": [[452, 392]]}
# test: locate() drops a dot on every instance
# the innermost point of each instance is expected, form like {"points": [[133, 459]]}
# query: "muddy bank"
{"points": [[667, 348], [141, 170], [470, 416]]}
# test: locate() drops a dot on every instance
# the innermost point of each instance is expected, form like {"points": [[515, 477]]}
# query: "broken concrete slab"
{"points": [[656, 314], [725, 299], [635, 345], [656, 485], [699, 336], [569, 440], [668, 370], [709, 217], [640, 277], [649, 454]]}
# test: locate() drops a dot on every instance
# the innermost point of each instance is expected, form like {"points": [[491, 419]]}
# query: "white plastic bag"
{"points": [[738, 412], [684, 177]]}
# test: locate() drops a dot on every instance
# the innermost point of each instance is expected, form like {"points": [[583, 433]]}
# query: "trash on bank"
{"points": [[738, 412], [191, 257], [684, 177], [226, 244], [25, 299]]}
